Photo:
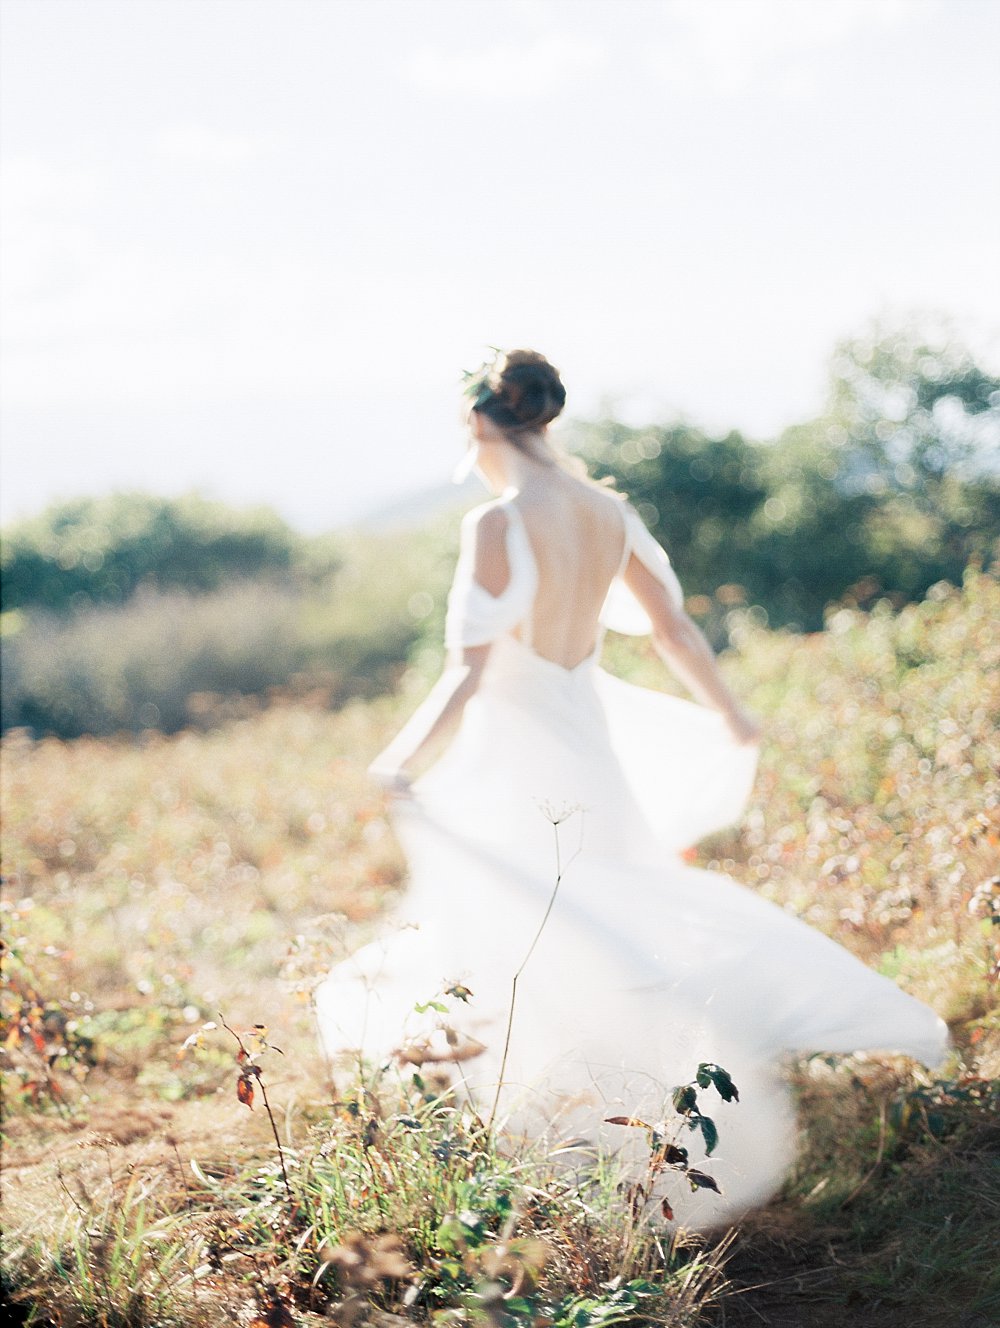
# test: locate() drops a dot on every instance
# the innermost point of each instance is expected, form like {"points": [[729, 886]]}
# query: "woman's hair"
{"points": [[519, 391]]}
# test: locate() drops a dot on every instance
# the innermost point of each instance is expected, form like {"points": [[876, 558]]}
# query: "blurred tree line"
{"points": [[101, 550], [134, 611], [894, 487]]}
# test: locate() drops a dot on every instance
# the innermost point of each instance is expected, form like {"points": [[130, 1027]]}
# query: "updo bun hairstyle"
{"points": [[519, 391]]}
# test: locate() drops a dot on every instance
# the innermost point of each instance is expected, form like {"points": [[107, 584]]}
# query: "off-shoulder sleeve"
{"points": [[475, 617], [622, 612]]}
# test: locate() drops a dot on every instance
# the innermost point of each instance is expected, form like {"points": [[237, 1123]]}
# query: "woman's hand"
{"points": [[743, 727], [395, 784]]}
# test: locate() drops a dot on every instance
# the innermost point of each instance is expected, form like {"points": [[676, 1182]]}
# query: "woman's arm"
{"points": [[435, 718], [683, 648], [439, 714]]}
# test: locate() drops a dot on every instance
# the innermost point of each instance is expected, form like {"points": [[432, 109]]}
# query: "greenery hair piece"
{"points": [[482, 383]]}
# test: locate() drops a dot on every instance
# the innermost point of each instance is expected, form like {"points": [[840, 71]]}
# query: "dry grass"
{"points": [[150, 884]]}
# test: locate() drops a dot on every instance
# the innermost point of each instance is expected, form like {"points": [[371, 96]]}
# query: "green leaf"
{"points": [[709, 1073], [519, 1305], [701, 1180], [709, 1133], [724, 1085], [685, 1099]]}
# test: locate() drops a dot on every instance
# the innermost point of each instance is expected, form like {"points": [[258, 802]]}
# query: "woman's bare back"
{"points": [[577, 536]]}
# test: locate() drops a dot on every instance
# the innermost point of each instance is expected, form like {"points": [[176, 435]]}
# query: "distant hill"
{"points": [[416, 509]]}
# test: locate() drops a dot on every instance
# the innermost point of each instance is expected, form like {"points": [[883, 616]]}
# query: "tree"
{"points": [[98, 550], [696, 493], [895, 486]]}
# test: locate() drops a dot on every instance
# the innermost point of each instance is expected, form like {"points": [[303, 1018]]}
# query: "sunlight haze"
{"points": [[248, 246]]}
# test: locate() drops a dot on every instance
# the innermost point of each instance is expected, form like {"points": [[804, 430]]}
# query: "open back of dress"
{"points": [[645, 966], [578, 547]]}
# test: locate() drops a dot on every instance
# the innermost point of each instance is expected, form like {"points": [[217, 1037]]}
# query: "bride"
{"points": [[545, 842]]}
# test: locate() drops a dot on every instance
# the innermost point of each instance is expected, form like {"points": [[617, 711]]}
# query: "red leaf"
{"points": [[666, 1210], [244, 1090]]}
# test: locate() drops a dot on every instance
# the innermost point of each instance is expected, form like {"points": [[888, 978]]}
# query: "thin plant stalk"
{"points": [[267, 1108], [560, 871]]}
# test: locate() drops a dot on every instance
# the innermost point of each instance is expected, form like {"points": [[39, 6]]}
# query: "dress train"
{"points": [[644, 966]]}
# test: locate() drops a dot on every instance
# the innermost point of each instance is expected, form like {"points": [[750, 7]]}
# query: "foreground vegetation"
{"points": [[152, 884]]}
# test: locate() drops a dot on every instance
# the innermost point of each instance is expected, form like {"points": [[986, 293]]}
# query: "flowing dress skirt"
{"points": [[644, 966]]}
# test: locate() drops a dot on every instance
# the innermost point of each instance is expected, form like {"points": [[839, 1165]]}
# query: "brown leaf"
{"points": [[274, 1313], [421, 1052], [277, 1316], [244, 1090], [668, 1155], [636, 1196], [665, 1209], [627, 1120]]}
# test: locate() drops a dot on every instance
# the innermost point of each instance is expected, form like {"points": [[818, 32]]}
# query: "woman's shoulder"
{"points": [[626, 510], [485, 544], [611, 505], [491, 520], [613, 498], [487, 520]]}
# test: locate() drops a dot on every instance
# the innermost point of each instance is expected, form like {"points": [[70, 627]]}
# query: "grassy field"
{"points": [[155, 886]]}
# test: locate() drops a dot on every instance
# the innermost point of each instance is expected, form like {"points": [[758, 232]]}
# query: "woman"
{"points": [[550, 832]]}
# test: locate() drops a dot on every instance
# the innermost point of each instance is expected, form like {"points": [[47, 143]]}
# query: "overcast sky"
{"points": [[250, 244]]}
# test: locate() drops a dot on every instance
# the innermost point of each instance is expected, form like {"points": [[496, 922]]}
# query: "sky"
{"points": [[249, 245]]}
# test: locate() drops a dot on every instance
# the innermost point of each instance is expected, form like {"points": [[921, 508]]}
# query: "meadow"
{"points": [[169, 901]]}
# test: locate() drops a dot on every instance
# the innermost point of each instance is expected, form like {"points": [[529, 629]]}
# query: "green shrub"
{"points": [[167, 658], [99, 550], [136, 667], [894, 488]]}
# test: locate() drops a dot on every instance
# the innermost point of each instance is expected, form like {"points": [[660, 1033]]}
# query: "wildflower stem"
{"points": [[520, 970], [277, 1141], [267, 1106]]}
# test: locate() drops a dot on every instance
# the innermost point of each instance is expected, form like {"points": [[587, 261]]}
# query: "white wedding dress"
{"points": [[645, 966]]}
